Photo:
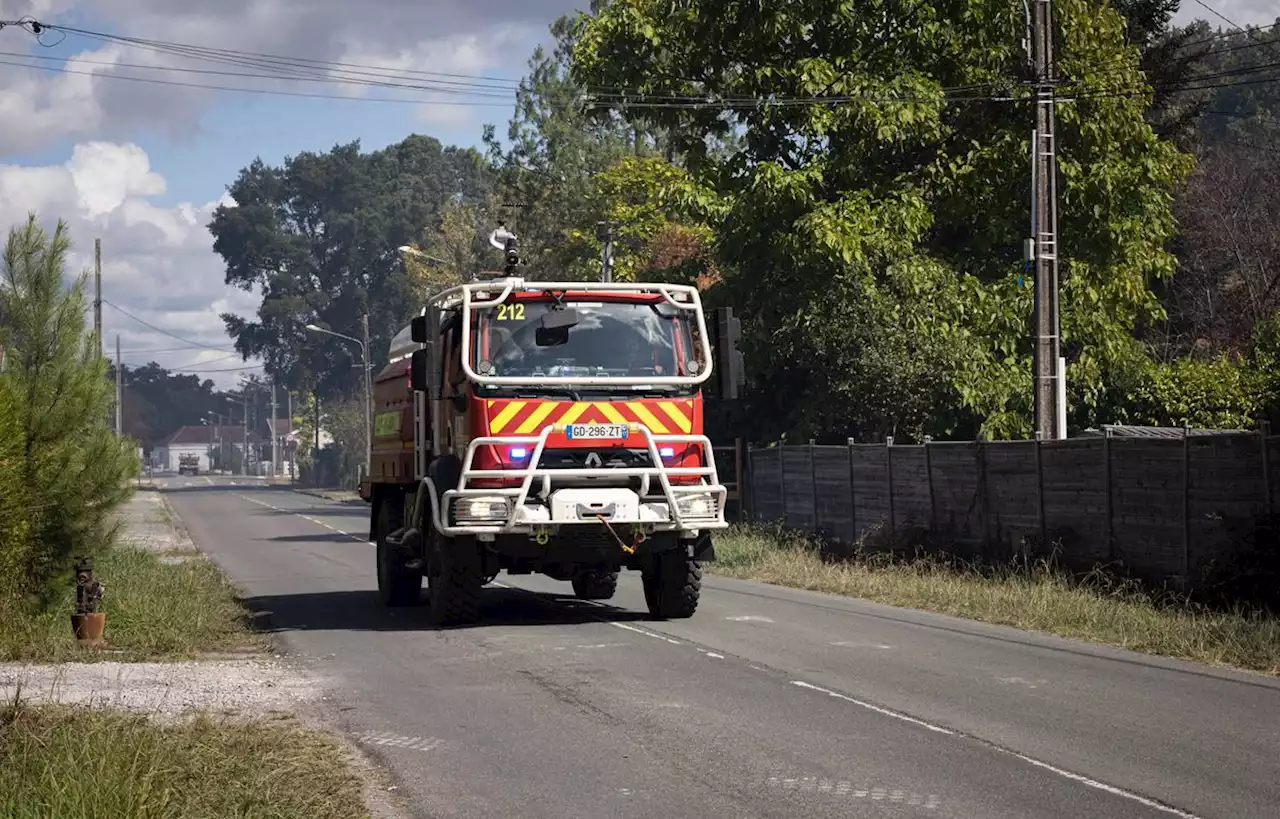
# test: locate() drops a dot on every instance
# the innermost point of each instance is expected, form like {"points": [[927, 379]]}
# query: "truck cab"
{"points": [[548, 427]]}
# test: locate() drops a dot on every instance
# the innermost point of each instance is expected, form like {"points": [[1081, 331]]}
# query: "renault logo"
{"points": [[593, 460]]}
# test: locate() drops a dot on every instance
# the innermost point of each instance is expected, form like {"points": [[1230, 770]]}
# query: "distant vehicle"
{"points": [[548, 427], [188, 464]]}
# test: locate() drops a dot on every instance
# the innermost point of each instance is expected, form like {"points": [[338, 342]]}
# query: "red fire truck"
{"points": [[553, 428]]}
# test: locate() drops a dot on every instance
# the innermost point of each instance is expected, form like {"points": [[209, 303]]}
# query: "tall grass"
{"points": [[154, 610], [80, 763], [1036, 597]]}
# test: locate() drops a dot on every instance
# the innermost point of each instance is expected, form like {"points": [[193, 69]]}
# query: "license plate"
{"points": [[596, 432]]}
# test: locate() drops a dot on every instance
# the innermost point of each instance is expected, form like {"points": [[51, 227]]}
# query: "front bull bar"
{"points": [[517, 521]]}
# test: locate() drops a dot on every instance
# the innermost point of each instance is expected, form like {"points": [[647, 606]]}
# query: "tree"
{"points": [[76, 471], [1170, 58], [1229, 271], [158, 402], [1244, 106], [556, 148], [16, 506], [319, 237], [661, 219], [455, 248], [880, 193]]}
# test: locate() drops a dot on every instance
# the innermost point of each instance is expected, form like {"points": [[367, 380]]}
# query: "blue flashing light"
{"points": [[517, 453]]}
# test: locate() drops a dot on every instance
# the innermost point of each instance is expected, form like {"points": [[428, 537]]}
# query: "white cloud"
{"points": [[38, 106], [1240, 12], [472, 57], [158, 264]]}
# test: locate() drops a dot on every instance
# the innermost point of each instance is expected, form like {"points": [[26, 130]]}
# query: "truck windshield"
{"points": [[608, 339]]}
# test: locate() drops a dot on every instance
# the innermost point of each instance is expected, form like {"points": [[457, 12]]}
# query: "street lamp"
{"points": [[368, 385], [413, 251]]}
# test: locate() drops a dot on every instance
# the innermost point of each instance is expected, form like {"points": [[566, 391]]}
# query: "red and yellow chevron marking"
{"points": [[529, 417]]}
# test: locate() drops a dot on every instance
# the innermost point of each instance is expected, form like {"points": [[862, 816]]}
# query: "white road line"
{"points": [[885, 711], [645, 632], [1093, 783], [307, 518], [1074, 777]]}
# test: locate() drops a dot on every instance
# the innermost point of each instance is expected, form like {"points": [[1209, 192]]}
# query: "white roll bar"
{"points": [[464, 296]]}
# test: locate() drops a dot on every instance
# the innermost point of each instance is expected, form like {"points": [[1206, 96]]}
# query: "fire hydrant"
{"points": [[88, 621]]}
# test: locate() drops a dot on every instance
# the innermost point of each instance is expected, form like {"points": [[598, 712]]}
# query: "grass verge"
{"points": [[1035, 598], [76, 763], [155, 610]]}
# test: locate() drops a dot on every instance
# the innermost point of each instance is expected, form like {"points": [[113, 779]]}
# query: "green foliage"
{"points": [[1213, 394], [74, 470], [15, 500], [454, 249], [661, 218], [874, 245], [158, 402], [319, 237]]}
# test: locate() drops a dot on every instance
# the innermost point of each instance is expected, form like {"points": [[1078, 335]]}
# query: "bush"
{"points": [[1214, 394], [72, 469]]}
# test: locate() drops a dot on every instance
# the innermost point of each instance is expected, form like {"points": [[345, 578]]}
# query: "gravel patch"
{"points": [[147, 524], [247, 688]]}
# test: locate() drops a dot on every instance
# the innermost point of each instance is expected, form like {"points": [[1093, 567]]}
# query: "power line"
{"points": [[213, 72], [149, 350], [219, 358], [225, 370], [158, 330], [267, 91], [1216, 13], [183, 49]]}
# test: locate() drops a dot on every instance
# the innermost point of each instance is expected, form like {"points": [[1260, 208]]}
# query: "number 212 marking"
{"points": [[511, 312]]}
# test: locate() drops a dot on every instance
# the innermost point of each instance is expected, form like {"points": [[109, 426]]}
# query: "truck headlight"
{"points": [[698, 506], [482, 508]]}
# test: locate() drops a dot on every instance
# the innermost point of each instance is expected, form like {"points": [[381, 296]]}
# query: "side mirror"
{"points": [[418, 330], [419, 371], [730, 366]]}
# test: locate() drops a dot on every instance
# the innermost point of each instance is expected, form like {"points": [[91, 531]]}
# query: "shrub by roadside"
{"points": [[1036, 598]]}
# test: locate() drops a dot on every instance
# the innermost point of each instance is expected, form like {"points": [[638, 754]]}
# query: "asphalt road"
{"points": [[768, 703]]}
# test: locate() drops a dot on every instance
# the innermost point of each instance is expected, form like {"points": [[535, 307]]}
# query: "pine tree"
{"points": [[75, 470]]}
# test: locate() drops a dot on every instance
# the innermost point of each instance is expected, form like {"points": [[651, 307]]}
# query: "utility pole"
{"points": [[293, 460], [244, 456], [97, 294], [275, 435], [368, 396], [605, 234], [119, 389], [1050, 375]]}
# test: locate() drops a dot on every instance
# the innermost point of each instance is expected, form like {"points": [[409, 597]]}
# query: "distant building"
{"points": [[212, 445]]}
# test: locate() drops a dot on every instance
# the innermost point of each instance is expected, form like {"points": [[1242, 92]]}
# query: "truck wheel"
{"points": [[672, 586], [397, 584], [595, 585], [455, 576]]}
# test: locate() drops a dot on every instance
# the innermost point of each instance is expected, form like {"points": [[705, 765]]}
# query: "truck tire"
{"points": [[672, 586], [397, 584], [455, 576], [595, 585]]}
